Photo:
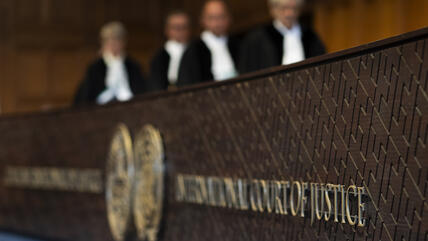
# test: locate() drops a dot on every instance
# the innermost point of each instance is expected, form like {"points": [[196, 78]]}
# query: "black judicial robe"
{"points": [[93, 83], [196, 62], [264, 48], [159, 71]]}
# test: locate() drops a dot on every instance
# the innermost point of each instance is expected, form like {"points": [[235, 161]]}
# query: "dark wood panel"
{"points": [[5, 21], [63, 82], [69, 13], [29, 13], [2, 87], [7, 93], [354, 118], [31, 74]]}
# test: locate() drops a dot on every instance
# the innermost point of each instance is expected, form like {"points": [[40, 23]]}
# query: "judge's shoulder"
{"points": [[97, 63], [236, 39], [268, 30], [196, 44], [131, 62], [196, 51], [261, 31], [160, 53]]}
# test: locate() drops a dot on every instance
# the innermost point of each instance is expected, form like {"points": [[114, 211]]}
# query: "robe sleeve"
{"points": [[249, 54], [313, 44], [158, 79], [190, 71], [82, 95], [138, 82], [318, 46]]}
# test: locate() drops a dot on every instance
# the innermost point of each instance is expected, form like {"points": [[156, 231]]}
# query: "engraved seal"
{"points": [[119, 180], [149, 181]]}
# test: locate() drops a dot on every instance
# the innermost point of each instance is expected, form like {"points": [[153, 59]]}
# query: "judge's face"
{"points": [[215, 18], [286, 11], [177, 28], [113, 46]]}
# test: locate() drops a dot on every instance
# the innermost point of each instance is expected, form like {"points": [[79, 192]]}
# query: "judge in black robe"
{"points": [[196, 65], [264, 47], [213, 56], [165, 64], [159, 70], [113, 76], [94, 82]]}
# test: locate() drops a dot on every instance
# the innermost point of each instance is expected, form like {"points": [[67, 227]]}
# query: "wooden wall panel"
{"points": [[5, 19], [61, 15], [27, 11], [346, 23], [63, 82], [31, 74], [7, 91], [5, 32], [46, 79], [2, 77]]}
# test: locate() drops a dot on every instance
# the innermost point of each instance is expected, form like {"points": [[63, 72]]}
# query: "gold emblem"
{"points": [[149, 180], [119, 178]]}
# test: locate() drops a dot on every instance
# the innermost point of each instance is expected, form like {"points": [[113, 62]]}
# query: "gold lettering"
{"points": [[319, 212], [180, 192], [243, 194], [327, 202], [295, 208], [64, 179], [202, 197], [312, 201], [361, 221], [335, 187], [303, 199], [190, 195], [342, 202], [211, 192], [255, 196], [268, 202], [221, 192], [231, 198], [277, 194], [259, 196], [285, 186], [348, 208]]}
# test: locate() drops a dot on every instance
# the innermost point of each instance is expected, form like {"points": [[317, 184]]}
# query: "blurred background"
{"points": [[45, 45]]}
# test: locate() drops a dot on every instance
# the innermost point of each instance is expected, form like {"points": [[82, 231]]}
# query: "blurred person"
{"points": [[214, 56], [113, 76], [166, 62], [282, 42]]}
